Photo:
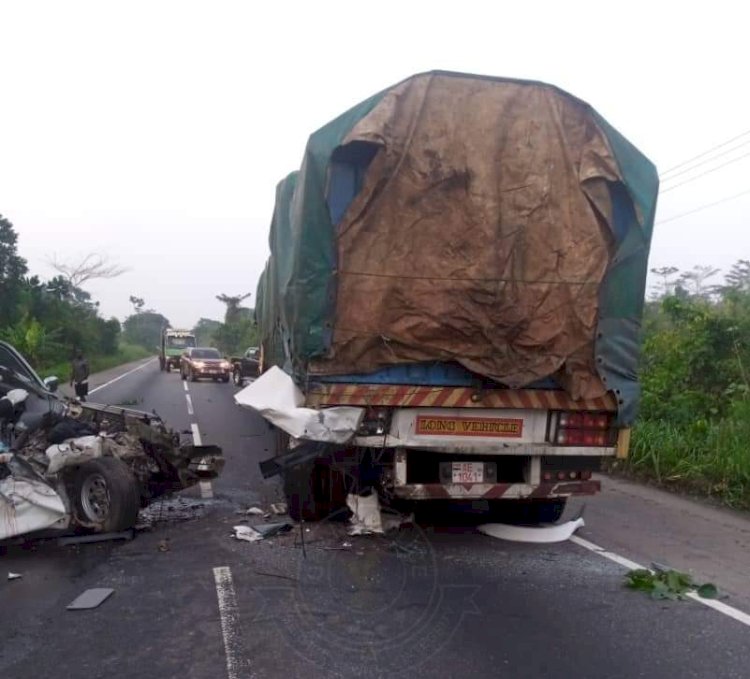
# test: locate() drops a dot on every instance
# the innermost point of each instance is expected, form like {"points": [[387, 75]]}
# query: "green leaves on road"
{"points": [[668, 584]]}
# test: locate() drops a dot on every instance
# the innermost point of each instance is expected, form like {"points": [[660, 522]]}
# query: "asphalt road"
{"points": [[192, 602]]}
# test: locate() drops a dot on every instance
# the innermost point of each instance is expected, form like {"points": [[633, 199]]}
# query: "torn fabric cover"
{"points": [[500, 224], [277, 399]]}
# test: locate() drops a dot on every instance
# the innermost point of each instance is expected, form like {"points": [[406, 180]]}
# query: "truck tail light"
{"points": [[584, 429]]}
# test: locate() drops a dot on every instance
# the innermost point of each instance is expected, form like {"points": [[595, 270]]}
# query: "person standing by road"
{"points": [[80, 376]]}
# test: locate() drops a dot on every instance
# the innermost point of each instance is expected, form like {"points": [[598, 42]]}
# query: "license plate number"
{"points": [[468, 472]]}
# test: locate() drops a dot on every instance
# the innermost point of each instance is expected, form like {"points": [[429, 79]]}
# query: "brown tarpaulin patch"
{"points": [[481, 234]]}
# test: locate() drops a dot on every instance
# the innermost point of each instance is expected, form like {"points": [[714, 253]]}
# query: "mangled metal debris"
{"points": [[276, 397], [261, 531], [534, 534], [83, 467]]}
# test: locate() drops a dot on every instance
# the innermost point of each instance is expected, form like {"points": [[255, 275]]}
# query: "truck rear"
{"points": [[461, 264]]}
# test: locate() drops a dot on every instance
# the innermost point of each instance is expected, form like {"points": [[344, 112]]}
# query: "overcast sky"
{"points": [[155, 132]]}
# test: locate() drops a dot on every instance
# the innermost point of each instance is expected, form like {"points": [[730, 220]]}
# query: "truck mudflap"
{"points": [[494, 491]]}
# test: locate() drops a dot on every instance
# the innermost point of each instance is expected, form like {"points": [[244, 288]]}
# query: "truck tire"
{"points": [[105, 495], [237, 377], [168, 367], [301, 497], [225, 379]]}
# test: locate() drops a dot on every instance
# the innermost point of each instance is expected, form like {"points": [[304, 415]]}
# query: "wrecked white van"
{"points": [[83, 467]]}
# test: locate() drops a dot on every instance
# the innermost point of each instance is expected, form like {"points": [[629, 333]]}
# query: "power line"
{"points": [[705, 153], [703, 174], [703, 207], [703, 162]]}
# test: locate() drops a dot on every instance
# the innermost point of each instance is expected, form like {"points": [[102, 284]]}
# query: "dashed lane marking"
{"points": [[185, 385], [229, 615], [206, 487], [189, 404]]}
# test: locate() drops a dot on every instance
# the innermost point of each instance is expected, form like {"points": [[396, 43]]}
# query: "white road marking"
{"points": [[189, 404], [727, 610], [206, 488], [185, 385], [117, 379], [196, 434], [229, 615]]}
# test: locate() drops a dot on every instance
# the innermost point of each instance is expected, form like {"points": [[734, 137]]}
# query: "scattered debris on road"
{"points": [[261, 531], [534, 534], [91, 598], [279, 508], [662, 583], [368, 517], [255, 511], [14, 576], [164, 545]]}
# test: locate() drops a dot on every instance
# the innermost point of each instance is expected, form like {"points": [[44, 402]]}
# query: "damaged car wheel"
{"points": [[106, 496]]}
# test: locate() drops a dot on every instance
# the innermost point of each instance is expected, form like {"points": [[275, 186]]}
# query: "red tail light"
{"points": [[584, 429]]}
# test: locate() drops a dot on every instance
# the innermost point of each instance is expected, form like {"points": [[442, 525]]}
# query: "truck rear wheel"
{"points": [[314, 491]]}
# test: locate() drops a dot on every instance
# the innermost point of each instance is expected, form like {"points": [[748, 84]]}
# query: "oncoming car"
{"points": [[198, 362]]}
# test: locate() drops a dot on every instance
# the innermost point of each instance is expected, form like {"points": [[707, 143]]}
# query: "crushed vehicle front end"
{"points": [[84, 467]]}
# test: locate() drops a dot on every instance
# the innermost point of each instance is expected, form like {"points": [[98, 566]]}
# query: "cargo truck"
{"points": [[462, 260], [173, 343]]}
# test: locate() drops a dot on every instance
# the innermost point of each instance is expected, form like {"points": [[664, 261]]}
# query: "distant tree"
{"points": [[205, 330], [145, 328], [138, 303], [233, 303], [669, 278], [90, 267], [695, 280], [12, 271], [738, 277]]}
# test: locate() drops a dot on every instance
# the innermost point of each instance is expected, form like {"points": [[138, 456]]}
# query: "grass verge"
{"points": [[127, 353], [708, 458]]}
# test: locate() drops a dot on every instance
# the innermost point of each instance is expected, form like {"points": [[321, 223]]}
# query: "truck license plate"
{"points": [[468, 472]]}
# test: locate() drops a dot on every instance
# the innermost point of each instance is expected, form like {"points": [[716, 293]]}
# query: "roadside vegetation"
{"points": [[238, 331], [49, 320], [693, 432]]}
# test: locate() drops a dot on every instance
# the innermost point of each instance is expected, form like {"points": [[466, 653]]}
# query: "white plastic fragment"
{"points": [[17, 396], [534, 534], [255, 511], [279, 508], [368, 518], [276, 397], [247, 534], [14, 576]]}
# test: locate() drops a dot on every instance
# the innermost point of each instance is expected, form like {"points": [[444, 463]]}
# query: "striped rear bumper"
{"points": [[320, 395], [494, 491]]}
